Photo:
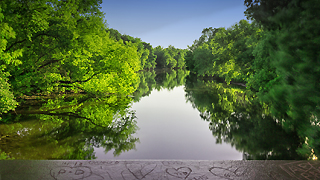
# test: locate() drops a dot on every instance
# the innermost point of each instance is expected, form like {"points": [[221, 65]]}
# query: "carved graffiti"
{"points": [[228, 173], [139, 170], [65, 172], [302, 170], [74, 173], [162, 170], [104, 163], [200, 177], [182, 172]]}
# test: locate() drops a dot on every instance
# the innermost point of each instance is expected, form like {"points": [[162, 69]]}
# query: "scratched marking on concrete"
{"points": [[160, 170], [140, 170], [224, 173], [181, 172], [75, 173], [302, 170]]}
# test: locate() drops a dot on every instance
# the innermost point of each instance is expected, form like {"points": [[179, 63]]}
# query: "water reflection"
{"points": [[237, 118], [167, 79], [72, 126], [169, 128], [69, 128]]}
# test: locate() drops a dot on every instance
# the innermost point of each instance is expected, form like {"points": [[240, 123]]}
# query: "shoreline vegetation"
{"points": [[52, 48]]}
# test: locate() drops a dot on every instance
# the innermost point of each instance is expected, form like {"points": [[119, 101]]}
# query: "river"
{"points": [[169, 128], [172, 115]]}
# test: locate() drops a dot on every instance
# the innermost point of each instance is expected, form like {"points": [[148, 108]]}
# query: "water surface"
{"points": [[169, 128], [171, 115]]}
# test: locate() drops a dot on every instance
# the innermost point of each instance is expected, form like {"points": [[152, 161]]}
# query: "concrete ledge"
{"points": [[157, 170]]}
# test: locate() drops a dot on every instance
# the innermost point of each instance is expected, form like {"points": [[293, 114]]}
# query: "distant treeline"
{"points": [[277, 55], [56, 47], [150, 57]]}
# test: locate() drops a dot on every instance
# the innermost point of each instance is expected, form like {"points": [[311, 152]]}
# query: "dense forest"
{"points": [[62, 55], [59, 47], [276, 56], [236, 117], [70, 127]]}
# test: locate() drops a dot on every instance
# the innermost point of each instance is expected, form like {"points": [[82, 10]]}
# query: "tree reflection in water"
{"points": [[69, 128], [236, 117]]}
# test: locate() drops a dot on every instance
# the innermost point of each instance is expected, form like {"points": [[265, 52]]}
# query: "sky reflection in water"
{"points": [[169, 128]]}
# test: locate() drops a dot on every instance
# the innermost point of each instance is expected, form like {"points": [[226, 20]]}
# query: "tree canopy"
{"points": [[60, 47], [53, 50], [276, 55]]}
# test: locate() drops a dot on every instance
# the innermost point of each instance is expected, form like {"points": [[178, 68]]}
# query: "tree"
{"points": [[70, 127], [151, 61], [263, 10], [292, 50], [61, 46], [207, 35], [162, 57], [7, 100], [203, 60], [226, 53], [144, 50], [236, 117]]}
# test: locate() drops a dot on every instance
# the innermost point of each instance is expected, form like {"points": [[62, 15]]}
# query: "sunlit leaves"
{"points": [[144, 50], [226, 53], [7, 100], [69, 127], [217, 99], [170, 57], [63, 46], [203, 60]]}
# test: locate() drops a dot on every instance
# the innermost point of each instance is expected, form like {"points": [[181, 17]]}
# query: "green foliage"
{"points": [[207, 35], [297, 60], [214, 99], [170, 57], [226, 53], [264, 74], [286, 65], [144, 50], [4, 156], [263, 10], [171, 79], [236, 117], [69, 127], [7, 101], [62, 47], [202, 58], [150, 80], [189, 61], [146, 85], [141, 50], [151, 61], [276, 55], [162, 57]]}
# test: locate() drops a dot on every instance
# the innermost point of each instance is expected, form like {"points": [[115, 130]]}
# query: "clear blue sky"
{"points": [[170, 22]]}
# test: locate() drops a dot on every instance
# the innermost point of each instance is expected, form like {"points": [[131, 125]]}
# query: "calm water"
{"points": [[172, 115], [169, 128]]}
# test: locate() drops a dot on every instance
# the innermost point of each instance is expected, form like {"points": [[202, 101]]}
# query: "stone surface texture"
{"points": [[156, 170]]}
